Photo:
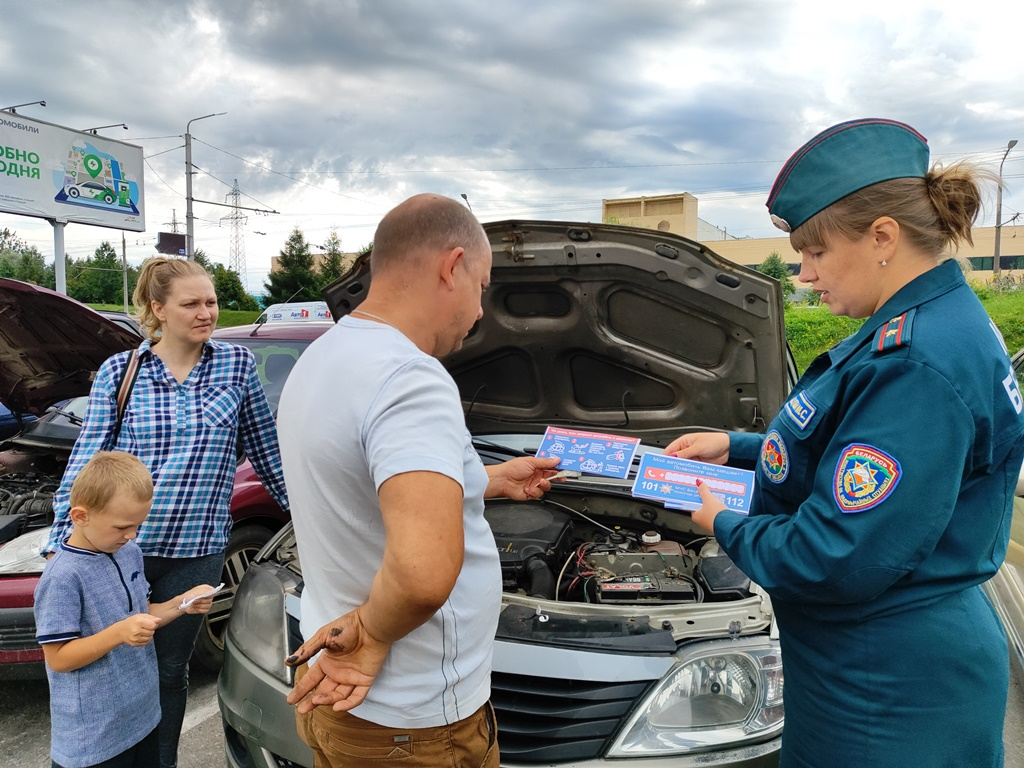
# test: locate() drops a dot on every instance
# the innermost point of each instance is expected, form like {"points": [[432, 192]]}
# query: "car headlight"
{"points": [[21, 555], [258, 626], [724, 693]]}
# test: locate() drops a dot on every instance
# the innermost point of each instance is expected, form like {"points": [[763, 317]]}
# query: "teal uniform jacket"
{"points": [[883, 500]]}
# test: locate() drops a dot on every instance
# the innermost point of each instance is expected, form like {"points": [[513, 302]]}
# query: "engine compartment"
{"points": [[28, 481], [570, 553]]}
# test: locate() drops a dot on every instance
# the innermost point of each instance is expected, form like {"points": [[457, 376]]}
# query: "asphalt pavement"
{"points": [[25, 724]]}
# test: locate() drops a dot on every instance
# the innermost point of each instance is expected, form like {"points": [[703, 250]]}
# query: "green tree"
{"points": [[295, 278], [334, 263], [774, 266], [98, 278]]}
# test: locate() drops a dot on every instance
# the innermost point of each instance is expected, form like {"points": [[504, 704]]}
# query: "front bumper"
{"points": [[259, 725], [259, 729], [21, 658]]}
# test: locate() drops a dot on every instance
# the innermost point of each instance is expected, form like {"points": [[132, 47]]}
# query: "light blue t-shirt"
{"points": [[362, 405], [102, 709]]}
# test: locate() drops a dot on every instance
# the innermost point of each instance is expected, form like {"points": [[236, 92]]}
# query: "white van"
{"points": [[297, 310]]}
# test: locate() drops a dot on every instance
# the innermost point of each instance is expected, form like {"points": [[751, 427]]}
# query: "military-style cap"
{"points": [[839, 161]]}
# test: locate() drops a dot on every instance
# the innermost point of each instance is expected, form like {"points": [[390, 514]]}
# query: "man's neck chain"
{"points": [[378, 318]]}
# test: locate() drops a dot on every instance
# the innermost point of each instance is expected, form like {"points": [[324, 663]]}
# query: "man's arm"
{"points": [[423, 553]]}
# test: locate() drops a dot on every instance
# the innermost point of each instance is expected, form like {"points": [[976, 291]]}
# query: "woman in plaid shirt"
{"points": [[193, 399]]}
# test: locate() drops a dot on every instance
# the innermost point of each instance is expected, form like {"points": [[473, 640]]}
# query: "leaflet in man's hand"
{"points": [[591, 453]]}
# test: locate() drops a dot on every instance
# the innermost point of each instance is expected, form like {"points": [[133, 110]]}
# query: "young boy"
{"points": [[95, 623]]}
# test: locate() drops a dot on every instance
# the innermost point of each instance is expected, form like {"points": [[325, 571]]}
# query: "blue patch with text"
{"points": [[801, 410]]}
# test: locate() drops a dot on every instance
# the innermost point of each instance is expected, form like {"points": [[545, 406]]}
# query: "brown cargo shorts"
{"points": [[342, 740]]}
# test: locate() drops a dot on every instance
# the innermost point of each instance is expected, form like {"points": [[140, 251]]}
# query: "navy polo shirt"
{"points": [[104, 708]]}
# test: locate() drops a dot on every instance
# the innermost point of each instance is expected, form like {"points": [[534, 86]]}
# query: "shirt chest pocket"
{"points": [[220, 405], [793, 446]]}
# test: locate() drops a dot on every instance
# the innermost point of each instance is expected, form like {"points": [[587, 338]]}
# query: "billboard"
{"points": [[57, 173]]}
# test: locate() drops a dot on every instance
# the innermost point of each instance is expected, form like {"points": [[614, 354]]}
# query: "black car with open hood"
{"points": [[615, 328]]}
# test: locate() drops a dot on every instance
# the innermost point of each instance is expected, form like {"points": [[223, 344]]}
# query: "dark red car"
{"points": [[50, 348]]}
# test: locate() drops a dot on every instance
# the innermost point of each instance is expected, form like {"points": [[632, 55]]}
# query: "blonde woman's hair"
{"points": [[155, 281], [108, 474], [935, 213]]}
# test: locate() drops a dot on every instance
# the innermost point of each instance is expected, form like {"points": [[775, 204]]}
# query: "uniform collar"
{"points": [[933, 283]]}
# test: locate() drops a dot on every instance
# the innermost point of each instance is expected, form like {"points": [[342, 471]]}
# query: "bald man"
{"points": [[402, 580]]}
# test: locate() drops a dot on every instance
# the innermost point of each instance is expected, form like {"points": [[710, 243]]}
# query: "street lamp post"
{"points": [[189, 245], [999, 208]]}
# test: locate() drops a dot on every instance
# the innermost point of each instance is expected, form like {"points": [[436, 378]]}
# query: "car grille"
{"points": [[19, 637], [544, 720]]}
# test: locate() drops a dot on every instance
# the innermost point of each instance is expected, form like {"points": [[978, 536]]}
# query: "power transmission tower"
{"points": [[173, 223], [236, 260]]}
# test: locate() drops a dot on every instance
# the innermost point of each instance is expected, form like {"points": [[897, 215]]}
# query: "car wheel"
{"points": [[73, 192], [242, 547], [108, 198]]}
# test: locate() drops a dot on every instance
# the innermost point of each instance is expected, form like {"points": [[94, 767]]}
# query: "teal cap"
{"points": [[839, 161]]}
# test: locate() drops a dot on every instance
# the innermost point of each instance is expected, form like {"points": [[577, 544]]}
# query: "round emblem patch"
{"points": [[774, 457], [865, 476]]}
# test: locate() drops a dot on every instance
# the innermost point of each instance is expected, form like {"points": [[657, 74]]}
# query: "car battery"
{"points": [[646, 587]]}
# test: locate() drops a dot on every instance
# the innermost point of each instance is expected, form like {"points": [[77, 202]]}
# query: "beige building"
{"points": [[678, 213]]}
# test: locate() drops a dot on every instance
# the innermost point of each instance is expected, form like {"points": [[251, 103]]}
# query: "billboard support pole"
{"points": [[59, 272]]}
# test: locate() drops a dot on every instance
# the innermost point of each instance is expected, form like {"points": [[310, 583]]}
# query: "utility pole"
{"points": [[189, 226], [236, 260], [999, 209], [124, 272]]}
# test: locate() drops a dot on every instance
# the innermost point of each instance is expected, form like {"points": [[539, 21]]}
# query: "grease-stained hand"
{"points": [[350, 659]]}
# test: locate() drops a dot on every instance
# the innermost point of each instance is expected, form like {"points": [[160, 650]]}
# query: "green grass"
{"points": [[228, 317], [812, 330]]}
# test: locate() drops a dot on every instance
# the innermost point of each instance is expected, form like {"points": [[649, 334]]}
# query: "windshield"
{"points": [[274, 361]]}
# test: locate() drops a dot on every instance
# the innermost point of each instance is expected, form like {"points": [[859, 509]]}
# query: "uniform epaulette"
{"points": [[895, 333]]}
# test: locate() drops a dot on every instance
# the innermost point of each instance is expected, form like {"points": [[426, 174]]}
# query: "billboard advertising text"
{"points": [[57, 173]]}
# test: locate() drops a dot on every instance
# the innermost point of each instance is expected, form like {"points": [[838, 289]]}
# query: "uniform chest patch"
{"points": [[801, 410], [864, 477], [774, 457]]}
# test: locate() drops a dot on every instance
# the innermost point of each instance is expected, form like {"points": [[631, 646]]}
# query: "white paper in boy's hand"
{"points": [[186, 603]]}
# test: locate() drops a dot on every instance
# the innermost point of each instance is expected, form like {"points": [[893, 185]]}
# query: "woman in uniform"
{"points": [[884, 486]]}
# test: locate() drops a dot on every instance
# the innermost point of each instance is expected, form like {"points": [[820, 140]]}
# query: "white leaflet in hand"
{"points": [[186, 603]]}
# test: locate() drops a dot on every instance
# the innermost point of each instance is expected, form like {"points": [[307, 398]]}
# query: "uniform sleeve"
{"points": [[57, 608], [744, 447], [416, 424], [259, 435], [97, 429], [883, 493]]}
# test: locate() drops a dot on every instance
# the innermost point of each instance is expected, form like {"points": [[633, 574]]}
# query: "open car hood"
{"points": [[618, 329], [51, 346]]}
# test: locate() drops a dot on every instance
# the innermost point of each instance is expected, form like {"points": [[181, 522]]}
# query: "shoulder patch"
{"points": [[801, 410], [896, 333], [774, 457], [864, 477]]}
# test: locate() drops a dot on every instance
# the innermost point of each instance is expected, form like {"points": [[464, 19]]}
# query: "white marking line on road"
{"points": [[200, 714]]}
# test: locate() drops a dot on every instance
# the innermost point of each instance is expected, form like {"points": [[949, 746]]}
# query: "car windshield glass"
{"points": [[274, 361]]}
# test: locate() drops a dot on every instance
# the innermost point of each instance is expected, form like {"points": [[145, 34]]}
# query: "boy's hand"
{"points": [[198, 599], [138, 629]]}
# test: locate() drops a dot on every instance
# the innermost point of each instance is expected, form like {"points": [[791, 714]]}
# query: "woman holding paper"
{"points": [[191, 402], [884, 485]]}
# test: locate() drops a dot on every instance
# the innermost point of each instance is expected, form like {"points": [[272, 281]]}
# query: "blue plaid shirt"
{"points": [[186, 434]]}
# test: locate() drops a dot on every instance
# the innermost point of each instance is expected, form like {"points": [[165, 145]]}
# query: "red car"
{"points": [[50, 347]]}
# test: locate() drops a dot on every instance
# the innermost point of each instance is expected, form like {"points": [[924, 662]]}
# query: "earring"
{"points": [[884, 262]]}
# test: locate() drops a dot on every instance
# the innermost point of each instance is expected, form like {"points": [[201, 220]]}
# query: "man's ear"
{"points": [[79, 515], [452, 261]]}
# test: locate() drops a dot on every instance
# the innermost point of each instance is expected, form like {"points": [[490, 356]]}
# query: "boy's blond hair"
{"points": [[108, 474]]}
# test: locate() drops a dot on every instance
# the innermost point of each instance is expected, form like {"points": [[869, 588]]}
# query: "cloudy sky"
{"points": [[336, 110]]}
